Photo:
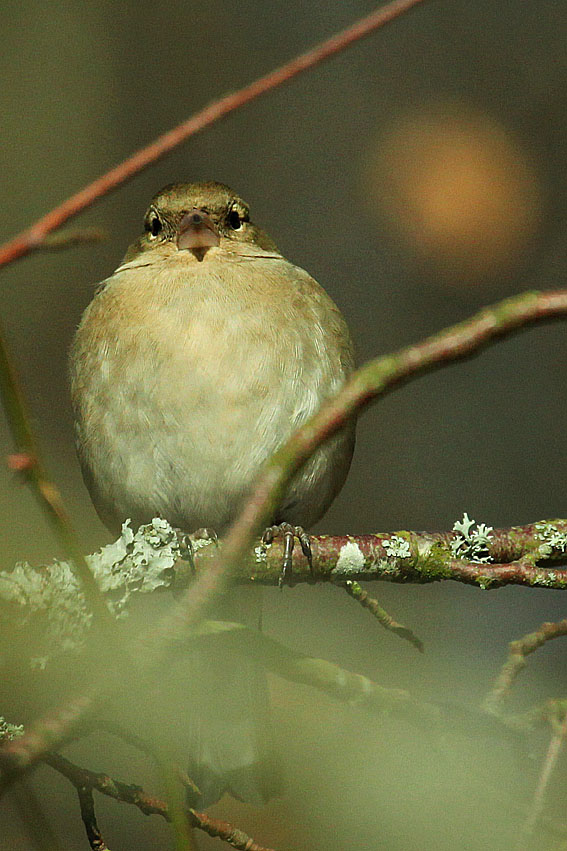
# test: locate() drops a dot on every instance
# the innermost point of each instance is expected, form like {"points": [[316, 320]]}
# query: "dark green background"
{"points": [[85, 84]]}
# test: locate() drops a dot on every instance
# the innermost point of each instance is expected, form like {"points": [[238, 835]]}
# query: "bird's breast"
{"points": [[184, 383]]}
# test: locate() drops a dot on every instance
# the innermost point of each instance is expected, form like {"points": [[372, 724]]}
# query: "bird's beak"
{"points": [[197, 233]]}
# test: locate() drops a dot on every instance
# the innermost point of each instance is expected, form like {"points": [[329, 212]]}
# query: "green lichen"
{"points": [[10, 731], [553, 541], [547, 579], [470, 543], [387, 568], [432, 565], [397, 547]]}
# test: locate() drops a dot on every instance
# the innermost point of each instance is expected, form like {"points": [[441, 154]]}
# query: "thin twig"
{"points": [[549, 763], [24, 242], [355, 591], [83, 778], [516, 662], [88, 816], [27, 462]]}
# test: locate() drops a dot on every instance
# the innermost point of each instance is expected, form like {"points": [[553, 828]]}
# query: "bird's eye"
{"points": [[234, 220], [154, 225]]}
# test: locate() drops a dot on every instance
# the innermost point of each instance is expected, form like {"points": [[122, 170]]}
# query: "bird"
{"points": [[194, 362]]}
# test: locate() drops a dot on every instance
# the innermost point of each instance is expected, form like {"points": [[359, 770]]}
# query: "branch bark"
{"points": [[155, 559], [86, 781]]}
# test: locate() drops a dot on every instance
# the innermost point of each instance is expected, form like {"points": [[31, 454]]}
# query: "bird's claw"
{"points": [[187, 548], [289, 533], [207, 534]]}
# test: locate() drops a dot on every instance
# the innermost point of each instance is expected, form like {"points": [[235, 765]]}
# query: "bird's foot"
{"points": [[289, 533], [205, 533], [187, 543]]}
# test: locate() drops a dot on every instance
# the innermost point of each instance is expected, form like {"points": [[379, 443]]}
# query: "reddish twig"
{"points": [[85, 781], [553, 751], [516, 662], [24, 242]]}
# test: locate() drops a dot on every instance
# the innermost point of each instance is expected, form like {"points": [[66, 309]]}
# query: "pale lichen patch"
{"points": [[397, 547], [350, 560], [260, 555]]}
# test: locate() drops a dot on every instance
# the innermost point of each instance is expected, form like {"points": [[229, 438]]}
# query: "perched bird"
{"points": [[197, 358]]}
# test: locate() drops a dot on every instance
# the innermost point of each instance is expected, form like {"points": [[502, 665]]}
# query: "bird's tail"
{"points": [[231, 745]]}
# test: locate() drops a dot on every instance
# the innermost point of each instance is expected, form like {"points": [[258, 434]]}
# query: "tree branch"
{"points": [[85, 781], [371, 382], [557, 741], [155, 559], [517, 652], [86, 803]]}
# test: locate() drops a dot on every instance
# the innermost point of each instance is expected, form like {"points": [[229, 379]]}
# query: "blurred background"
{"points": [[417, 176]]}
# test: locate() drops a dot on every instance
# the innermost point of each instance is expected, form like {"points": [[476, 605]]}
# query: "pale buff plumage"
{"points": [[187, 374]]}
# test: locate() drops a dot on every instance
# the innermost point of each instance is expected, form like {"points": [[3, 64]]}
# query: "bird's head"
{"points": [[199, 218]]}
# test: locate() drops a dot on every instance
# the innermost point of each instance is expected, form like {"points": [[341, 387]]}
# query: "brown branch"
{"points": [[85, 781], [370, 382], [354, 590], [88, 816], [29, 239], [517, 652], [225, 831], [341, 558]]}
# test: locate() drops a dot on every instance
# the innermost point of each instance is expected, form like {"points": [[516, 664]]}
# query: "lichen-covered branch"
{"points": [[49, 604]]}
